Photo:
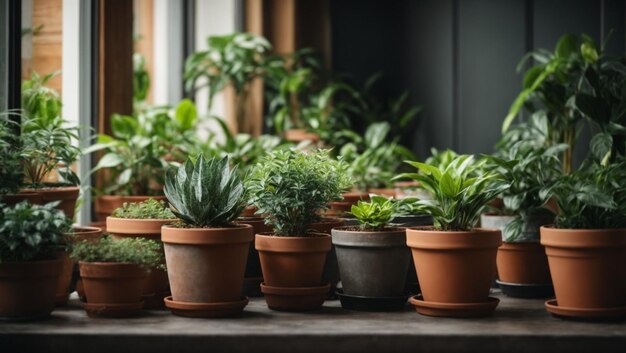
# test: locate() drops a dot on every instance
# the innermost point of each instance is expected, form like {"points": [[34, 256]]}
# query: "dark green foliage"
{"points": [[376, 214], [149, 209], [31, 232], [459, 192], [11, 168], [205, 193], [140, 251], [291, 187]]}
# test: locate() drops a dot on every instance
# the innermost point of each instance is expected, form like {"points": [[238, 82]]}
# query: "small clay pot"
{"points": [[372, 263], [156, 286], [523, 263], [117, 284], [31, 197], [588, 266], [454, 267], [253, 274], [206, 265], [293, 261], [106, 204], [300, 135], [27, 289], [78, 234], [353, 197], [249, 212], [66, 194]]}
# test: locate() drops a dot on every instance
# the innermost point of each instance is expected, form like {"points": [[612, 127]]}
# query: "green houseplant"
{"points": [[373, 258], [30, 238], [144, 219], [455, 262], [206, 252], [11, 171], [292, 187], [113, 273], [587, 245]]}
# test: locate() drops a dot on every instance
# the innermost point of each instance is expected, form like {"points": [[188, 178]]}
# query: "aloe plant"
{"points": [[376, 214], [205, 192], [460, 192]]}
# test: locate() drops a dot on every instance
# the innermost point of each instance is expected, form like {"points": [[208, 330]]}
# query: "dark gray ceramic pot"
{"points": [[372, 264]]}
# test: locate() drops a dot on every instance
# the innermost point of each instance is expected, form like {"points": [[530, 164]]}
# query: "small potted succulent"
{"points": [[373, 258], [586, 246], [455, 262], [113, 273], [522, 263], [30, 239], [291, 187], [206, 251], [144, 219]]}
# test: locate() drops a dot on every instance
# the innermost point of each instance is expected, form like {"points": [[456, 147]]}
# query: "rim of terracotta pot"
{"points": [[582, 238], [430, 238], [239, 233], [135, 226], [31, 269], [351, 236], [131, 198], [318, 242], [321, 289], [84, 230], [520, 245], [68, 192], [111, 270]]}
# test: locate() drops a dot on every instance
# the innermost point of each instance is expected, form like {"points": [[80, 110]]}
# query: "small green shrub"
{"points": [[149, 209], [291, 187], [31, 232], [376, 214], [205, 193], [143, 252], [459, 192]]}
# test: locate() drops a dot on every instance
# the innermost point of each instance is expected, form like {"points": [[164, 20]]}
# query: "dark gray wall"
{"points": [[458, 57]]}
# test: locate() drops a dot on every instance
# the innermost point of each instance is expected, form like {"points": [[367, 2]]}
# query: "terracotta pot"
{"points": [[65, 278], [388, 192], [31, 197], [249, 212], [454, 267], [588, 266], [292, 261], [27, 289], [66, 194], [295, 298], [354, 197], [206, 265], [78, 234], [112, 283], [523, 263], [106, 204], [156, 285], [299, 135]]}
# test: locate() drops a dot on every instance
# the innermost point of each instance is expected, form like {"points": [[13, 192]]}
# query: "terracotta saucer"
{"points": [[295, 299], [600, 314], [454, 309], [206, 310], [112, 310]]}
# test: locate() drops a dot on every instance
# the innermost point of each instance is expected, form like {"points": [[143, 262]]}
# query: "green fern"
{"points": [[205, 193]]}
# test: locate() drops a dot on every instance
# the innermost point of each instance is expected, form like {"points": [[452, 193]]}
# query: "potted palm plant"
{"points": [[373, 258], [291, 187], [454, 260], [113, 273], [522, 264], [30, 238], [206, 251], [144, 219], [586, 246]]}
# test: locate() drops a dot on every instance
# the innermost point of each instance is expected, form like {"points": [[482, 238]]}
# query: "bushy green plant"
{"points": [[11, 169], [441, 159], [205, 192], [140, 251], [291, 187], [149, 209], [374, 215], [31, 232], [460, 192], [41, 104]]}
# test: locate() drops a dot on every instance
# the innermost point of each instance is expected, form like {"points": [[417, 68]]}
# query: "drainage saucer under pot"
{"points": [[527, 291], [295, 298], [586, 314], [206, 310], [360, 303], [454, 309]]}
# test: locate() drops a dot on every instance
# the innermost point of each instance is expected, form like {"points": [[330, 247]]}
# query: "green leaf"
{"points": [[186, 114]]}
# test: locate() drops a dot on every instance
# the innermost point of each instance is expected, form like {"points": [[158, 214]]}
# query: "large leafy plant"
{"points": [[460, 192], [140, 251], [291, 187], [376, 214], [149, 209], [31, 232], [205, 192]]}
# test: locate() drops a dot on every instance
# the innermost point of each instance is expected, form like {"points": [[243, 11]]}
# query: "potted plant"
{"points": [[144, 219], [113, 274], [586, 246], [373, 258], [455, 262], [291, 187], [72, 273], [30, 237], [522, 264], [206, 251]]}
